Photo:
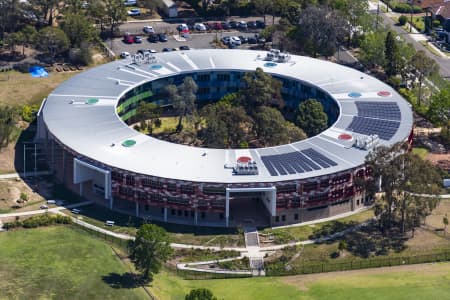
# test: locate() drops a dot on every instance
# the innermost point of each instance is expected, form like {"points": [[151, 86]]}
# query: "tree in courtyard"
{"points": [[226, 125], [445, 222], [392, 55], [147, 113], [150, 249], [183, 99], [422, 66], [200, 294], [52, 41], [261, 89], [318, 31], [311, 117]]}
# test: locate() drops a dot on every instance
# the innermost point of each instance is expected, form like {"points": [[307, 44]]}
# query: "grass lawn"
{"points": [[421, 152], [59, 262], [406, 282], [19, 88], [301, 233], [185, 234]]}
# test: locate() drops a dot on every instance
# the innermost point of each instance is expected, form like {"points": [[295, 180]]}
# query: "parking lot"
{"points": [[194, 41]]}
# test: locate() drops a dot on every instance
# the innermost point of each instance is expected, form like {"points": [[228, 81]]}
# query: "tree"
{"points": [[439, 109], [311, 117], [52, 41], [150, 249], [200, 294], [402, 20], [445, 222], [263, 7], [183, 99], [402, 177], [318, 31], [342, 246], [115, 13], [7, 123], [423, 66], [147, 113], [29, 33], [151, 5], [372, 49], [97, 11], [261, 89], [270, 126], [392, 55], [78, 29]]}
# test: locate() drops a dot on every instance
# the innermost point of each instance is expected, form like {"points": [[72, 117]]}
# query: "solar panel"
{"points": [[385, 129], [296, 162], [379, 110]]}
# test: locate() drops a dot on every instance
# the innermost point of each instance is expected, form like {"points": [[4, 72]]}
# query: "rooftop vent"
{"points": [[366, 143], [245, 166], [277, 55]]}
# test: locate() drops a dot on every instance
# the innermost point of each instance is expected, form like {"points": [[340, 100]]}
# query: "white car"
{"points": [[200, 27], [130, 2], [125, 54], [134, 12], [235, 40], [44, 207], [148, 29]]}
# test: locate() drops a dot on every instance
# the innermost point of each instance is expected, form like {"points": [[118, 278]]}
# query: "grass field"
{"points": [[406, 282], [60, 263], [421, 152], [19, 88]]}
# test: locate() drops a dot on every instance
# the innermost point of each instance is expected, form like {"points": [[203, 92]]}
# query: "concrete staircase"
{"points": [[255, 257]]}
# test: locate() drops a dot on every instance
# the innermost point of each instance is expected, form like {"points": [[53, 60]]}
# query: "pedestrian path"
{"points": [[255, 256]]}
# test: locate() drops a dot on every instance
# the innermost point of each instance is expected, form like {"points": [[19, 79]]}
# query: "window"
{"points": [[221, 216], [283, 218], [146, 207], [156, 197], [277, 219], [318, 197], [357, 202], [172, 187], [295, 216], [187, 189], [309, 186], [172, 212], [202, 215], [179, 212], [213, 190], [203, 90], [223, 77], [117, 176], [154, 184], [288, 188], [295, 202], [130, 180], [185, 213], [203, 77]]}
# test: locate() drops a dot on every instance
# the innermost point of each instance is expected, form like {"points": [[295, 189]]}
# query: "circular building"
{"points": [[92, 150]]}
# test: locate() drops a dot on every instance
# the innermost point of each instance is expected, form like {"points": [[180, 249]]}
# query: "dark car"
{"points": [[153, 38], [169, 49], [162, 37], [137, 39], [225, 25], [260, 24], [127, 38], [252, 40], [243, 39], [183, 48], [252, 24], [233, 24]]}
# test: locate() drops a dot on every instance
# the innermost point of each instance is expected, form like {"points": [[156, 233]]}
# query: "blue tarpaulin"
{"points": [[37, 71]]}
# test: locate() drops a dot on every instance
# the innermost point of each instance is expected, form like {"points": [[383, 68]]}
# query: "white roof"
{"points": [[91, 130]]}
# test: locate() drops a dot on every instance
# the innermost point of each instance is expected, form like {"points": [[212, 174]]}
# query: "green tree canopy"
{"points": [[392, 55], [439, 109], [150, 249], [52, 41], [78, 29], [183, 99], [311, 117], [8, 117], [372, 49], [146, 114], [422, 66], [200, 294]]}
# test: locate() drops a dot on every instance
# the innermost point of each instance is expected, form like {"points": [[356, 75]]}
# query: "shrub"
{"points": [[29, 113], [406, 8], [402, 20]]}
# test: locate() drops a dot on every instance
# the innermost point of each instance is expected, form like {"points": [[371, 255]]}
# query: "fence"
{"points": [[123, 244], [310, 268], [198, 275]]}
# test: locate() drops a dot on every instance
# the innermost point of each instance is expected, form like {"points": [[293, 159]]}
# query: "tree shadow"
{"points": [[124, 281]]}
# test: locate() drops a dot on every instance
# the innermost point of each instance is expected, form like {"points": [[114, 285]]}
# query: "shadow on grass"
{"points": [[124, 281]]}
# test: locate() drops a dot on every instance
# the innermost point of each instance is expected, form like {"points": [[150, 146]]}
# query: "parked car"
{"points": [[226, 40], [134, 12], [153, 38], [252, 24], [243, 39], [182, 27], [125, 54], [168, 49], [143, 51], [252, 40], [225, 25], [43, 206], [260, 24], [200, 27], [184, 48], [148, 29], [232, 46], [235, 40], [242, 25], [76, 211], [217, 26], [130, 2], [162, 37], [128, 38], [137, 39], [233, 24]]}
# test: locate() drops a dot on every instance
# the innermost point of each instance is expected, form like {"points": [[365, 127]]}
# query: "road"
{"points": [[443, 62]]}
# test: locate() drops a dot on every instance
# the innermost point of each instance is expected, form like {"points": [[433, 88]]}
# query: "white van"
{"points": [[51, 201]]}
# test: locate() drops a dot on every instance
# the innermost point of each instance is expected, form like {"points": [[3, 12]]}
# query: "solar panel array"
{"points": [[379, 110], [296, 162], [385, 129]]}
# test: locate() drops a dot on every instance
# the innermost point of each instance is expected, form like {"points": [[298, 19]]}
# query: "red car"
{"points": [[217, 26], [127, 38]]}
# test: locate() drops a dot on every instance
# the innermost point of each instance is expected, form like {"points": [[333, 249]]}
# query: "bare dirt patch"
{"points": [[302, 281], [7, 157], [33, 196], [435, 218]]}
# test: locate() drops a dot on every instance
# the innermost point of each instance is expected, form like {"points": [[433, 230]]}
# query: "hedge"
{"points": [[38, 221]]}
